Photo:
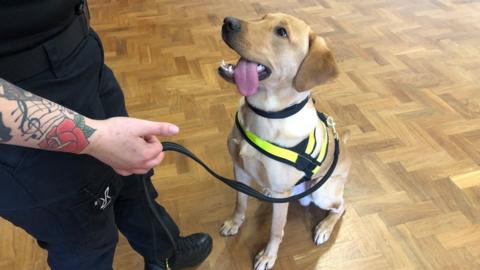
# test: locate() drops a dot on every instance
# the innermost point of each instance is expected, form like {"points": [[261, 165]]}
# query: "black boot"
{"points": [[191, 250], [151, 266]]}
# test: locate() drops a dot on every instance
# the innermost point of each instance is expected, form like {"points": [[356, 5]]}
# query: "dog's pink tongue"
{"points": [[246, 77]]}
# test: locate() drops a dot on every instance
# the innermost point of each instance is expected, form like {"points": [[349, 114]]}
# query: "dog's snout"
{"points": [[232, 24]]}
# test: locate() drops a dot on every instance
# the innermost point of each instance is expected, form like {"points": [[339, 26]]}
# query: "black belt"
{"points": [[25, 64]]}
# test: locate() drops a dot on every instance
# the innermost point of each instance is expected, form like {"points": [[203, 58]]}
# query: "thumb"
{"points": [[145, 128]]}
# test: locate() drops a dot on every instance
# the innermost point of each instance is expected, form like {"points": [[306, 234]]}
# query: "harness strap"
{"points": [[323, 150], [302, 161], [311, 142]]}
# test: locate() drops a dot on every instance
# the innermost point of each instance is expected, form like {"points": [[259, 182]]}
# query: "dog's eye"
{"points": [[282, 32]]}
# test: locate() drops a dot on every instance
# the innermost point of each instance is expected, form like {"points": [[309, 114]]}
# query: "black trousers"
{"points": [[74, 231]]}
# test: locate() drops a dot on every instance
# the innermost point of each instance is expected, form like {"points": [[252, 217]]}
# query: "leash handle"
{"points": [[171, 146]]}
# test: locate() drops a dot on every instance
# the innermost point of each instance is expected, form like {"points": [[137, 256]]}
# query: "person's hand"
{"points": [[128, 145]]}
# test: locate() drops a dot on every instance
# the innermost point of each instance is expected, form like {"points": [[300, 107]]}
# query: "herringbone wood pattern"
{"points": [[408, 92]]}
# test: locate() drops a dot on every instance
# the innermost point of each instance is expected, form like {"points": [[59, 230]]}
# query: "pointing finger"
{"points": [[156, 128]]}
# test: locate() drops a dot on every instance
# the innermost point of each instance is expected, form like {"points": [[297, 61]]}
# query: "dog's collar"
{"points": [[289, 111]]}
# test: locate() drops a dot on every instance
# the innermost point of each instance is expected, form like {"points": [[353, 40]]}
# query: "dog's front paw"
{"points": [[322, 233], [229, 228], [263, 261]]}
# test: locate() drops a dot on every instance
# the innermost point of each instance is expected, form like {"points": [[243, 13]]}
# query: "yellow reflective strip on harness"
{"points": [[311, 143], [323, 150], [271, 148]]}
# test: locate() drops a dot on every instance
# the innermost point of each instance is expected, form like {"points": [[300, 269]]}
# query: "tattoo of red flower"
{"points": [[68, 136]]}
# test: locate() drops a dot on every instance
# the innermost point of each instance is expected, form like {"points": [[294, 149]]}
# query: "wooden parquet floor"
{"points": [[408, 92]]}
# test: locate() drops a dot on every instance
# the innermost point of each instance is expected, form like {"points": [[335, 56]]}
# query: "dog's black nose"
{"points": [[232, 24]]}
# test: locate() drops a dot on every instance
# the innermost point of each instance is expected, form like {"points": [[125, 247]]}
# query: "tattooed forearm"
{"points": [[33, 114], [43, 122], [5, 132], [70, 135]]}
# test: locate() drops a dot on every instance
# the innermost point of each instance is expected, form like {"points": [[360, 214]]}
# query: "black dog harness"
{"points": [[299, 156]]}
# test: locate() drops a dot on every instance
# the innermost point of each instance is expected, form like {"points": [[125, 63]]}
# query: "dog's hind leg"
{"points": [[324, 228], [330, 198], [231, 226]]}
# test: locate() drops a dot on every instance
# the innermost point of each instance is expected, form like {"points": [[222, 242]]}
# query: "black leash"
{"points": [[158, 218], [171, 146]]}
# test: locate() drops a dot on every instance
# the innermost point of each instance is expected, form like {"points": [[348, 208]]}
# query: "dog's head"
{"points": [[277, 51]]}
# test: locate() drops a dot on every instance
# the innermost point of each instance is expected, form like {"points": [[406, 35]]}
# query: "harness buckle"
{"points": [[331, 124]]}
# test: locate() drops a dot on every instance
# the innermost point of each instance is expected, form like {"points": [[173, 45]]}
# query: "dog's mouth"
{"points": [[246, 74]]}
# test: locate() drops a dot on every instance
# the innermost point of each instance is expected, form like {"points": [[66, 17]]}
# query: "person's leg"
{"points": [[148, 237], [75, 234], [132, 213], [135, 220]]}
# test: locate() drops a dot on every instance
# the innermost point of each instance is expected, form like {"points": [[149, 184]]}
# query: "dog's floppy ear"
{"points": [[317, 67]]}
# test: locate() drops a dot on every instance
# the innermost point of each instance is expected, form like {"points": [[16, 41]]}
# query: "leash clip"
{"points": [[331, 124]]}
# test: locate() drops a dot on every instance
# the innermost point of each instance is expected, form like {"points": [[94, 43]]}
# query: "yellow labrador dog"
{"points": [[281, 59]]}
